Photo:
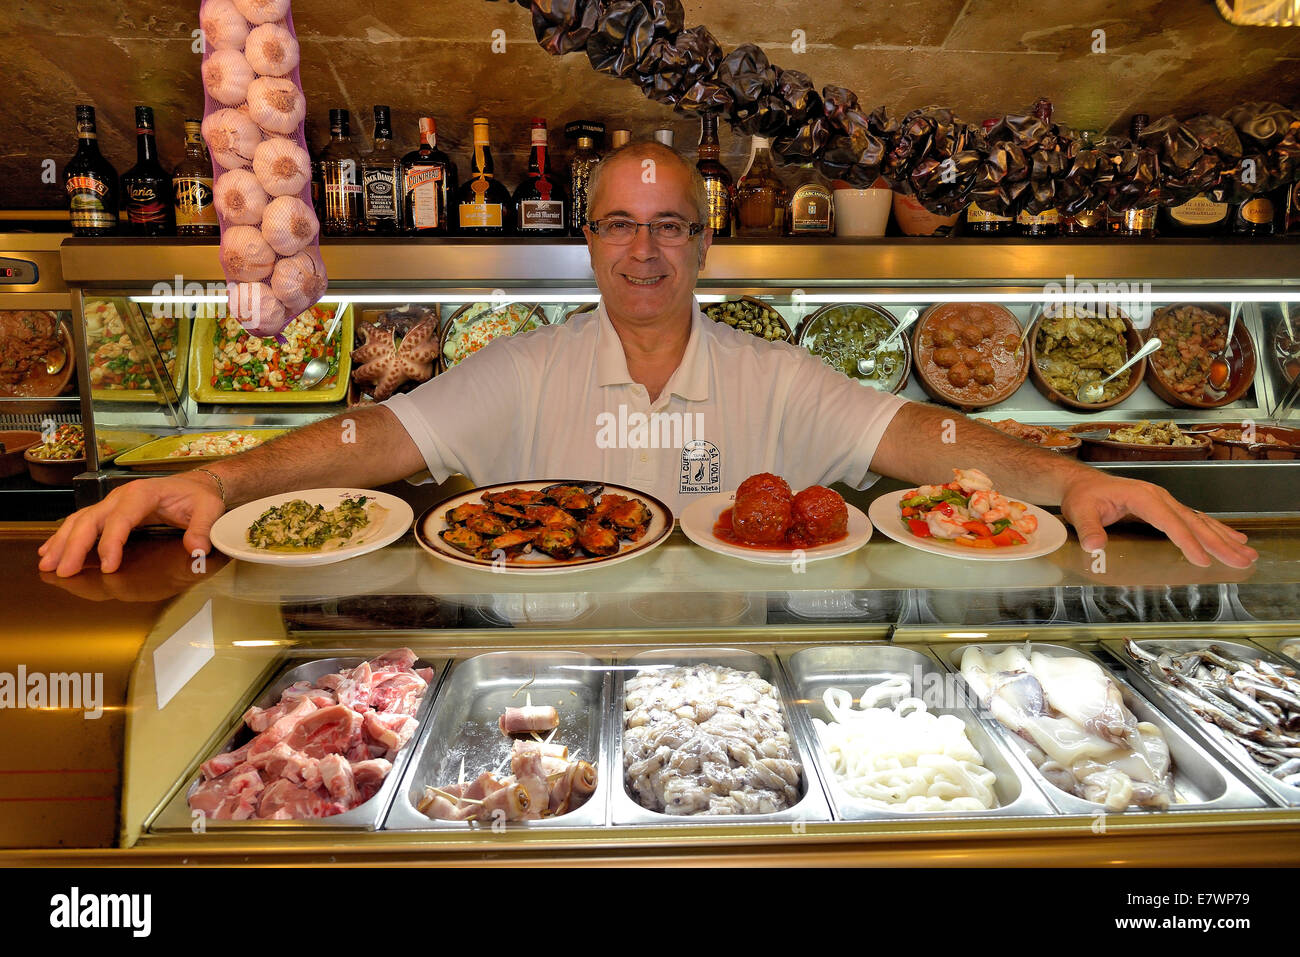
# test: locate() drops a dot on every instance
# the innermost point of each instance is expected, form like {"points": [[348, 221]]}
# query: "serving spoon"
{"points": [[1093, 392], [867, 364], [318, 366], [1216, 379]]}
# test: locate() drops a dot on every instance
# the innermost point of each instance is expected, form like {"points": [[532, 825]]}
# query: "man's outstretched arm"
{"points": [[373, 450], [914, 449]]}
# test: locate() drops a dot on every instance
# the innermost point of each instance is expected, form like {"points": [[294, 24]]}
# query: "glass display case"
{"points": [[831, 297], [591, 644]]}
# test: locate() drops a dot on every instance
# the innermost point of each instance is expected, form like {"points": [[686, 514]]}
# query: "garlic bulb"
{"points": [[256, 307], [263, 11], [224, 27], [276, 104], [226, 75], [282, 166], [231, 137], [299, 281], [289, 224], [271, 50], [239, 198], [245, 255]]}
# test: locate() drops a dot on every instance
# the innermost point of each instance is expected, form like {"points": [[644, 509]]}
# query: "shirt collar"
{"points": [[690, 380]]}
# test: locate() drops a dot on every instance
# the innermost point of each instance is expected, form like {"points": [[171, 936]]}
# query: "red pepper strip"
{"points": [[979, 528], [919, 528], [976, 542], [1008, 536], [908, 511], [944, 508]]}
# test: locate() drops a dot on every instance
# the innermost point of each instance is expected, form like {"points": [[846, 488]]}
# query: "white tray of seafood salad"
{"points": [[1043, 533], [1090, 741], [317, 526], [547, 527], [707, 736]]}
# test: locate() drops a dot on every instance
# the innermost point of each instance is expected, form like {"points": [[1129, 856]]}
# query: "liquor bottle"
{"points": [[665, 137], [483, 201], [589, 135], [1134, 222], [540, 200], [1047, 223], [718, 184], [984, 222], [1205, 214], [760, 195], [1090, 221], [810, 211], [619, 138], [1290, 215], [381, 176], [1254, 216], [90, 182], [338, 175], [192, 187], [428, 185], [146, 186]]}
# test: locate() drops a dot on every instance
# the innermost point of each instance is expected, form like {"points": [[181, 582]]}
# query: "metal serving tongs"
{"points": [[867, 364]]}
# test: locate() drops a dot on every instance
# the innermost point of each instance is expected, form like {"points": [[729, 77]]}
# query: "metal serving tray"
{"points": [[176, 816], [1214, 739], [1200, 784], [858, 667], [470, 702], [624, 808]]}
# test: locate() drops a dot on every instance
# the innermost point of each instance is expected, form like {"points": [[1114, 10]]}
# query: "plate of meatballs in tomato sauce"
{"points": [[765, 521]]}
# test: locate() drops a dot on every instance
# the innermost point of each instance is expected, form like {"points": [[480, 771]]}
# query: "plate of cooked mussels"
{"points": [[544, 527]]}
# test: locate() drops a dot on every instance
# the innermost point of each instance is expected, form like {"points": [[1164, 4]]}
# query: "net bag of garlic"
{"points": [[253, 125]]}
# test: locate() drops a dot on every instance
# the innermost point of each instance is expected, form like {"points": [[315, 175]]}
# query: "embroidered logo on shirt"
{"points": [[701, 468]]}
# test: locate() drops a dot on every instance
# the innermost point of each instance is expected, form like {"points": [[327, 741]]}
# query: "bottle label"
{"points": [[86, 206], [538, 136], [1048, 217], [1258, 210], [193, 197], [1138, 220], [422, 185], [810, 209], [719, 205], [975, 213], [1199, 211], [381, 194], [481, 215], [145, 205], [540, 214]]}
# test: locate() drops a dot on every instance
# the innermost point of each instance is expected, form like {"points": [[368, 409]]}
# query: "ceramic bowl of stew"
{"points": [[1267, 442], [969, 354], [1070, 345], [1191, 333]]}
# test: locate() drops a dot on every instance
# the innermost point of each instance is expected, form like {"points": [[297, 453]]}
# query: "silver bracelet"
{"points": [[221, 486]]}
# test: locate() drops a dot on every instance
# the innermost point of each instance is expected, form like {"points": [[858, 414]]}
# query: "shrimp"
{"points": [[972, 480], [927, 491], [941, 526], [989, 506], [1025, 524]]}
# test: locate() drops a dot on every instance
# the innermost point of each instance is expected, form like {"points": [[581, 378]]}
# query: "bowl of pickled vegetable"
{"points": [[844, 332], [63, 457], [747, 314]]}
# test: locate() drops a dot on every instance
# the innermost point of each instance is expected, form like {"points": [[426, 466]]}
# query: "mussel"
{"points": [[460, 537], [558, 542]]}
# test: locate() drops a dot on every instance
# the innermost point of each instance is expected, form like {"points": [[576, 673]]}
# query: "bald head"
{"points": [[660, 156]]}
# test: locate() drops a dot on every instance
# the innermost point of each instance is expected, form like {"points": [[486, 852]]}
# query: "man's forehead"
{"points": [[644, 181]]}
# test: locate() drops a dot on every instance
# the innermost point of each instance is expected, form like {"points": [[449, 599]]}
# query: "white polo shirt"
{"points": [[558, 403]]}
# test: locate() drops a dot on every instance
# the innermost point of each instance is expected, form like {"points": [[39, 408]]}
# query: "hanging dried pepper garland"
{"points": [[1026, 162]]}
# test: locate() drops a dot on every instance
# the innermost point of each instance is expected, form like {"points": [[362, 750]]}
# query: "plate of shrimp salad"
{"points": [[967, 518]]}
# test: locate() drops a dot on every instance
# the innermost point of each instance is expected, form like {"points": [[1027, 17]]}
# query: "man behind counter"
{"points": [[530, 407]]}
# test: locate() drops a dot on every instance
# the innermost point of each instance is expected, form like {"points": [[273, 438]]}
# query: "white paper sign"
{"points": [[179, 658]]}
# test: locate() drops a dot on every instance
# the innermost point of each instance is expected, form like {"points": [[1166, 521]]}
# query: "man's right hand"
{"points": [[190, 501]]}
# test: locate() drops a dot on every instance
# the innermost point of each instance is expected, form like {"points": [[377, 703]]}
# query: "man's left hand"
{"points": [[1097, 500]]}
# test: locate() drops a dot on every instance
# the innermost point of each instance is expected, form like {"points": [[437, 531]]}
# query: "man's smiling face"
{"points": [[645, 280]]}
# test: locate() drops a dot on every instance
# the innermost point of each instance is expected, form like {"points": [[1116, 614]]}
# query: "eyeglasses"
{"points": [[666, 232]]}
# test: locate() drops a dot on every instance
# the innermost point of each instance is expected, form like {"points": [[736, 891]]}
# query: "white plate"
{"points": [[700, 516], [230, 534], [434, 521], [887, 515]]}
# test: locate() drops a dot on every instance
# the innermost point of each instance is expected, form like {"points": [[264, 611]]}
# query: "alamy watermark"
{"points": [[65, 691], [655, 430], [1086, 299]]}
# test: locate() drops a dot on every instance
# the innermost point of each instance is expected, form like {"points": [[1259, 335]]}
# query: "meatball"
{"points": [[763, 482], [761, 518], [945, 336], [946, 357], [971, 356], [984, 373], [820, 516], [971, 334], [959, 375]]}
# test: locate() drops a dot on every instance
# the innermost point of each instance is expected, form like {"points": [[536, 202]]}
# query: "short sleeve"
{"points": [[831, 418]]}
